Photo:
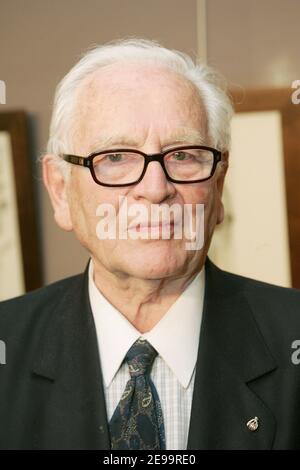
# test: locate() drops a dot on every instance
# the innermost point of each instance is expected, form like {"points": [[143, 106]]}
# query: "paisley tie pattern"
{"points": [[137, 422]]}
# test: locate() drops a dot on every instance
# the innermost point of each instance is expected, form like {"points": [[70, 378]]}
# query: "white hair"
{"points": [[210, 85]]}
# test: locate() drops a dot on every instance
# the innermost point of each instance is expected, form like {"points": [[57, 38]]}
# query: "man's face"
{"points": [[150, 109]]}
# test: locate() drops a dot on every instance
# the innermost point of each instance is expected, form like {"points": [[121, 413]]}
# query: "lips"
{"points": [[148, 226], [155, 231]]}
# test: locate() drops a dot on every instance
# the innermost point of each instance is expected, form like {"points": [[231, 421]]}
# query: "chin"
{"points": [[151, 272], [156, 262]]}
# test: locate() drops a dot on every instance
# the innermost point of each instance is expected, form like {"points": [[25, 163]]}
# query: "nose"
{"points": [[154, 186]]}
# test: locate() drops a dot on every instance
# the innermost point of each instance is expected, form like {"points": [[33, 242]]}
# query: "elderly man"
{"points": [[153, 347]]}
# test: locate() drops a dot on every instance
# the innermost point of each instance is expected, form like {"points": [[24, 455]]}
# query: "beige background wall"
{"points": [[254, 42]]}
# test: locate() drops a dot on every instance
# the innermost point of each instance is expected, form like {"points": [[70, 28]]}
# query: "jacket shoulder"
{"points": [[276, 309], [269, 294], [271, 298], [34, 305]]}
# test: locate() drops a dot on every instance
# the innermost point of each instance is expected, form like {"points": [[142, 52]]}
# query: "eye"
{"points": [[114, 157], [180, 156]]}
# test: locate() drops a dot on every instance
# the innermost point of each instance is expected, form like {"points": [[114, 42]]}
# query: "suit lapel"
{"points": [[232, 356], [67, 370]]}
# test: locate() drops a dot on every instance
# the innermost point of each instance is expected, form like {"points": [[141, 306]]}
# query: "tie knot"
{"points": [[140, 357]]}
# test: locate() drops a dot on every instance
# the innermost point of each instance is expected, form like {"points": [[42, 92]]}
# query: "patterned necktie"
{"points": [[137, 422]]}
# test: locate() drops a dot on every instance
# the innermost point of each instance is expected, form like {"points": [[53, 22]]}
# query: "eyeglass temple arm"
{"points": [[82, 161]]}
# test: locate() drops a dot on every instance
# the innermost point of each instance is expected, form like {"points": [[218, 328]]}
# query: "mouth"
{"points": [[154, 229]]}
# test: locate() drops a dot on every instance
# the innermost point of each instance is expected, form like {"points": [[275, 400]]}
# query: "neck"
{"points": [[142, 301]]}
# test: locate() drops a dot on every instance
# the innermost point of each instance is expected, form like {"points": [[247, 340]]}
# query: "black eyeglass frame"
{"points": [[154, 157]]}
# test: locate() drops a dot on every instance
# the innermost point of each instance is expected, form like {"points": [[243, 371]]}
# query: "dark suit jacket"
{"points": [[51, 391]]}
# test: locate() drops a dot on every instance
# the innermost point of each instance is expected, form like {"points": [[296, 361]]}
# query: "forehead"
{"points": [[135, 97], [130, 76]]}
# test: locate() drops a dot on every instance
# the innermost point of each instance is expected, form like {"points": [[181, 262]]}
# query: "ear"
{"points": [[56, 185], [220, 185]]}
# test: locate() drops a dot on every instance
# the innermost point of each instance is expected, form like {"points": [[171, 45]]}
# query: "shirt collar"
{"points": [[175, 336]]}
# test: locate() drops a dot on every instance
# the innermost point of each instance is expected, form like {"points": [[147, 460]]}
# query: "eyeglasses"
{"points": [[125, 167]]}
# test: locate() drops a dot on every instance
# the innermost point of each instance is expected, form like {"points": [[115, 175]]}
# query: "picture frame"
{"points": [[20, 263], [280, 99], [264, 102]]}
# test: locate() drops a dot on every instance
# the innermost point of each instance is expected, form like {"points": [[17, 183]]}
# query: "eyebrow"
{"points": [[185, 136], [112, 140], [181, 136]]}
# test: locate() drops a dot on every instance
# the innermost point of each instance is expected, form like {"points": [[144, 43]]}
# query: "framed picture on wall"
{"points": [[20, 267], [261, 229]]}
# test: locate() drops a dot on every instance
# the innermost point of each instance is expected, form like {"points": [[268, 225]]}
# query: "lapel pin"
{"points": [[252, 425]]}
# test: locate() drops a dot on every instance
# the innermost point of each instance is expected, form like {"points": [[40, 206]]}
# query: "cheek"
{"points": [[83, 196], [90, 203], [195, 194], [211, 210], [83, 201], [204, 193]]}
